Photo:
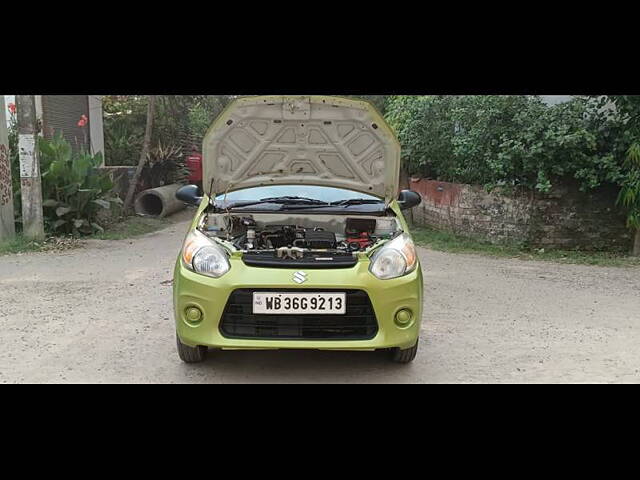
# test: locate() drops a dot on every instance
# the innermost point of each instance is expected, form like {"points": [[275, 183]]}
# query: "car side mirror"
{"points": [[409, 199], [190, 194]]}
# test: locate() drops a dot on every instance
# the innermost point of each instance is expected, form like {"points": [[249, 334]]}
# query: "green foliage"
{"points": [[425, 128], [180, 123], [507, 141], [164, 166], [123, 144], [74, 190], [125, 118], [19, 245], [183, 117], [199, 119], [202, 111], [628, 108], [378, 101]]}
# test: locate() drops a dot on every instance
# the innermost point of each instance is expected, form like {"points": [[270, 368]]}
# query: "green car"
{"points": [[299, 240]]}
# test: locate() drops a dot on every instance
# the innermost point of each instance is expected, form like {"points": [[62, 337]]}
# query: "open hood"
{"points": [[301, 140]]}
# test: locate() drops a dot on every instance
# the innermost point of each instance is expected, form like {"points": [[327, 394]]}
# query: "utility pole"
{"points": [[30, 182], [7, 221]]}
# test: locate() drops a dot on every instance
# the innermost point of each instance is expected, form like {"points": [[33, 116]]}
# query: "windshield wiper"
{"points": [[355, 201], [294, 201], [339, 204], [277, 200]]}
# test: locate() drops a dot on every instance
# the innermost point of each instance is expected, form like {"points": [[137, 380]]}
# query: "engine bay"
{"points": [[319, 239]]}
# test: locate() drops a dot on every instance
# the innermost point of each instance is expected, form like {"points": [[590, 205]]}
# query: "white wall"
{"points": [[96, 125]]}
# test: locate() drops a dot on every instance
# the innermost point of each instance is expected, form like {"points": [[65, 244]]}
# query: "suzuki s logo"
{"points": [[299, 277]]}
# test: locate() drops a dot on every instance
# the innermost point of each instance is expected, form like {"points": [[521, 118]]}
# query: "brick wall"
{"points": [[564, 218]]}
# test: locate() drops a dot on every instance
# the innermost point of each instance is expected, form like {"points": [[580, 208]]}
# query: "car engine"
{"points": [[350, 236], [321, 242], [274, 237]]}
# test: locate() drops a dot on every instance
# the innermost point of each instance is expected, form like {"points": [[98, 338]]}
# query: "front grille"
{"points": [[310, 260], [238, 320]]}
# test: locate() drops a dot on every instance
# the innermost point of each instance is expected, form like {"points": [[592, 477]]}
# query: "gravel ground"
{"points": [[102, 314]]}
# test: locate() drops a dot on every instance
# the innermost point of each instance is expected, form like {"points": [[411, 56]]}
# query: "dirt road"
{"points": [[103, 314]]}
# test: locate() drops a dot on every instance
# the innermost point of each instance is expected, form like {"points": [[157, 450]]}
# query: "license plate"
{"points": [[300, 303]]}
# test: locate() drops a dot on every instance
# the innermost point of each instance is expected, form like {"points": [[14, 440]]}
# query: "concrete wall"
{"points": [[96, 126], [564, 218]]}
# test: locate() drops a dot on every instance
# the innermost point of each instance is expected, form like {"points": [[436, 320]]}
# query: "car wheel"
{"points": [[191, 354], [404, 356]]}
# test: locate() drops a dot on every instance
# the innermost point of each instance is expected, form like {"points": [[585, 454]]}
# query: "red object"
{"points": [[363, 240], [12, 108], [194, 164], [437, 193], [83, 121]]}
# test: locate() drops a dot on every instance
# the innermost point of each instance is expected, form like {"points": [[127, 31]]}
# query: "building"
{"points": [[62, 113]]}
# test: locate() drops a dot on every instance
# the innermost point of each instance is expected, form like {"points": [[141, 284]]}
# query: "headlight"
{"points": [[201, 255], [395, 259]]}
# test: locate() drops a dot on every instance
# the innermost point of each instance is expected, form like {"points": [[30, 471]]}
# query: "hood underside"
{"points": [[301, 140]]}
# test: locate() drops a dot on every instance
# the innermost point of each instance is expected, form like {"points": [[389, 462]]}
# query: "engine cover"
{"points": [[320, 239]]}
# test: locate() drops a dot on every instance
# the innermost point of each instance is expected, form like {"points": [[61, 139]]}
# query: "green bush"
{"points": [[508, 141], [122, 144], [180, 123], [165, 165], [74, 189], [628, 108], [125, 118]]}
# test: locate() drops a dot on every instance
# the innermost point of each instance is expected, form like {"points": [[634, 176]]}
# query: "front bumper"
{"points": [[210, 295]]}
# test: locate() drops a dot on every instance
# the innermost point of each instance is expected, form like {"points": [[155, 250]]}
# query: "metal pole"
{"points": [[7, 220], [30, 183]]}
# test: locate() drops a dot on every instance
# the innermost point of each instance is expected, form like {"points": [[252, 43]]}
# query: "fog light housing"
{"points": [[193, 315], [404, 318]]}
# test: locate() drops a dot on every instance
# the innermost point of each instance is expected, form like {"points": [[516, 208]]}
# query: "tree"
{"points": [[628, 106], [630, 194], [378, 101], [505, 140], [143, 154], [519, 141], [179, 121]]}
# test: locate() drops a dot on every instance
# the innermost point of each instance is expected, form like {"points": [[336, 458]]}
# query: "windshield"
{"points": [[322, 194]]}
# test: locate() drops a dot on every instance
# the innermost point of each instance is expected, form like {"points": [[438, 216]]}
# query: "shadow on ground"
{"points": [[299, 366]]}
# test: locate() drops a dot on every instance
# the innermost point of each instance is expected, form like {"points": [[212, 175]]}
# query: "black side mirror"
{"points": [[190, 194], [409, 199]]}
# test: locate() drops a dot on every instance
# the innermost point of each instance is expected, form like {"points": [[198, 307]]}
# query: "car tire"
{"points": [[191, 354], [404, 356]]}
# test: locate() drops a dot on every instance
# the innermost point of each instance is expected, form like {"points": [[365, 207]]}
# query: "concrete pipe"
{"points": [[158, 202]]}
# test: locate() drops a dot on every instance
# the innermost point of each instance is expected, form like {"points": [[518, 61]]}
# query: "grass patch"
{"points": [[449, 242], [22, 245], [19, 245], [127, 228], [132, 227]]}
